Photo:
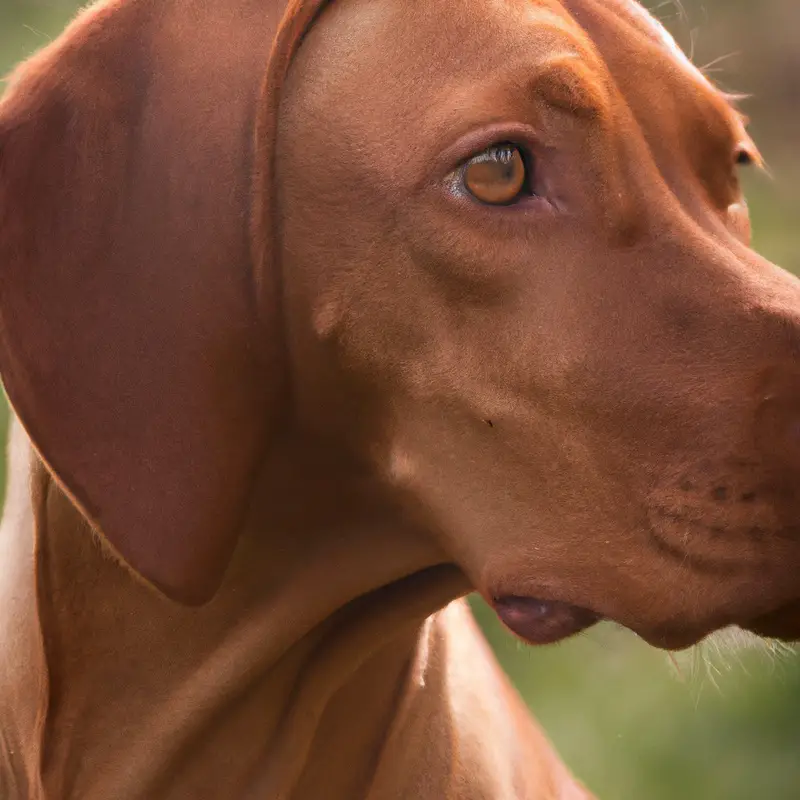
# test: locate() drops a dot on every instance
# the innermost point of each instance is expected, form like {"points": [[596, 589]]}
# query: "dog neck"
{"points": [[317, 629]]}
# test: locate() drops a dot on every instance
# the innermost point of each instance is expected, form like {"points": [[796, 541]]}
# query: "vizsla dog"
{"points": [[317, 318]]}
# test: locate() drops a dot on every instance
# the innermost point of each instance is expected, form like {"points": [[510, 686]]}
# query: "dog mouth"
{"points": [[541, 622], [544, 622]]}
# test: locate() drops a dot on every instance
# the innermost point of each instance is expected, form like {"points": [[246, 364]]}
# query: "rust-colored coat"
{"points": [[286, 390]]}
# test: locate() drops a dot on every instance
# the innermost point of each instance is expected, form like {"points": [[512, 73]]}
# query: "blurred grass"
{"points": [[621, 715], [632, 726]]}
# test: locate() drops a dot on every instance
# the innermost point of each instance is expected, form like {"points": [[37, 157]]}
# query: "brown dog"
{"points": [[437, 296]]}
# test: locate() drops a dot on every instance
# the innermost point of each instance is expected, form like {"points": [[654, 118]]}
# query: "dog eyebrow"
{"points": [[566, 83]]}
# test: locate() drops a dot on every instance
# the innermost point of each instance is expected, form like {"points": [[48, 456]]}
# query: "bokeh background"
{"points": [[633, 723]]}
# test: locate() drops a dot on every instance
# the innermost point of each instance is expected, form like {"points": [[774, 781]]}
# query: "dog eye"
{"points": [[498, 176]]}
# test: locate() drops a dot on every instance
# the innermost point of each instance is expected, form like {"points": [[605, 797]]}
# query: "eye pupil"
{"points": [[497, 176]]}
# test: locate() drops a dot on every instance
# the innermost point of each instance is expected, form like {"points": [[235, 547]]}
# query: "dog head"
{"points": [[500, 255], [517, 269]]}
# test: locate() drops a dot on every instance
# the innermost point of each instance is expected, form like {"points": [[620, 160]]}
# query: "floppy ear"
{"points": [[130, 346]]}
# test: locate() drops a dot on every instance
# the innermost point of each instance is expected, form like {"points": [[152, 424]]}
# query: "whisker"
{"points": [[724, 654], [721, 59]]}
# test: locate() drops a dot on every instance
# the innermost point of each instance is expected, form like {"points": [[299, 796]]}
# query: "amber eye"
{"points": [[497, 176]]}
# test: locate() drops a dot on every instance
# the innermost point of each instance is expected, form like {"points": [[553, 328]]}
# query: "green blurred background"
{"points": [[630, 721]]}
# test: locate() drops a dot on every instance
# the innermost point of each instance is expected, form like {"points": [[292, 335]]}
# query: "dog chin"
{"points": [[782, 624]]}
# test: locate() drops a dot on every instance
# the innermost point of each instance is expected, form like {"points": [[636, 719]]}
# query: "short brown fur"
{"points": [[284, 394]]}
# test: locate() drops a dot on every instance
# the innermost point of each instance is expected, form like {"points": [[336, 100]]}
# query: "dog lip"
{"points": [[675, 638], [783, 623], [542, 622]]}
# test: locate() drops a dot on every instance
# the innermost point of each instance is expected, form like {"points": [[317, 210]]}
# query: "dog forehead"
{"points": [[388, 56], [369, 66], [479, 34]]}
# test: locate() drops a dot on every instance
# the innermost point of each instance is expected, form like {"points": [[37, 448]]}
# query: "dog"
{"points": [[315, 318]]}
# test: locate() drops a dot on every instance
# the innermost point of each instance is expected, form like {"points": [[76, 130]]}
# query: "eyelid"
{"points": [[477, 141]]}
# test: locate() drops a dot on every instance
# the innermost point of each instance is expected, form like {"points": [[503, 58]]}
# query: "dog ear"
{"points": [[131, 347]]}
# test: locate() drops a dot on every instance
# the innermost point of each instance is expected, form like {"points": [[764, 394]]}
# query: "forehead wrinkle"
{"points": [[563, 84]]}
